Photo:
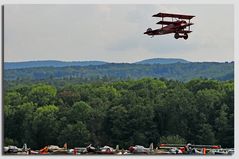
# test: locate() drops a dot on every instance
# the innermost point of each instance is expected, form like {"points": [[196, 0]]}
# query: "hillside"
{"points": [[49, 63], [54, 63], [177, 71], [162, 61]]}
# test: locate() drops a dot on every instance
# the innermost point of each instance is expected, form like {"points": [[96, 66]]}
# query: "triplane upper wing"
{"points": [[179, 16]]}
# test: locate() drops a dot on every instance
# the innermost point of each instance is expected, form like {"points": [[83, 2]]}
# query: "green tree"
{"points": [[69, 95], [10, 128], [201, 84], [179, 110], [124, 112], [75, 135], [141, 124], [13, 98], [206, 134], [43, 94], [80, 111], [45, 125], [116, 126], [172, 139]]}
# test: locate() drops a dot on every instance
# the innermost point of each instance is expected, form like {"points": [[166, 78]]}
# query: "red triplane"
{"points": [[178, 25]]}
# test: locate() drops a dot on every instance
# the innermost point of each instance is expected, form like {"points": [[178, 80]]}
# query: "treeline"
{"points": [[123, 113], [176, 71]]}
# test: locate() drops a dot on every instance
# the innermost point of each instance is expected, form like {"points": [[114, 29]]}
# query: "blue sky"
{"points": [[114, 33]]}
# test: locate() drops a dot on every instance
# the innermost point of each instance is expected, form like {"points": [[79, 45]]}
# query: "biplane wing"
{"points": [[166, 22], [189, 24], [184, 31], [196, 146], [180, 16]]}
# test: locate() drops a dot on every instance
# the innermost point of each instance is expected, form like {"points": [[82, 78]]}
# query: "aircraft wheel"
{"points": [[185, 36], [176, 35]]}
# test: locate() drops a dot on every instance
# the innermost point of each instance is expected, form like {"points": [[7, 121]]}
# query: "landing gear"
{"points": [[176, 35], [185, 36]]}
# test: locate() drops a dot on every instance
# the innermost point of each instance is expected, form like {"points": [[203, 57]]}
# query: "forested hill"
{"points": [[54, 63], [49, 63], [162, 61], [177, 71]]}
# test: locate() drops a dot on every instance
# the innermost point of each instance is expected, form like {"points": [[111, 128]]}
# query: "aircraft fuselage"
{"points": [[171, 28]]}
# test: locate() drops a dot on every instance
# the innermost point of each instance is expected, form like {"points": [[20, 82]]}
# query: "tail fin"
{"points": [[151, 146], [24, 147], [117, 148], [65, 146], [149, 29]]}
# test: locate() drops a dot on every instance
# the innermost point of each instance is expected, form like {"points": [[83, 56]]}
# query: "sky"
{"points": [[114, 33]]}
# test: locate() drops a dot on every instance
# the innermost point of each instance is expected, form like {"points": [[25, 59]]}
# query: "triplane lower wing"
{"points": [[179, 25]]}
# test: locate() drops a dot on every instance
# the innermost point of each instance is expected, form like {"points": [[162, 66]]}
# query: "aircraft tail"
{"points": [[117, 147], [151, 146], [149, 29]]}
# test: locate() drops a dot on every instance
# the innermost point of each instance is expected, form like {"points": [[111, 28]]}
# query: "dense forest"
{"points": [[176, 71], [124, 112]]}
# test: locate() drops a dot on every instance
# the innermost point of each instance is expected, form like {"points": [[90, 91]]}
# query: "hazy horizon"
{"points": [[109, 61]]}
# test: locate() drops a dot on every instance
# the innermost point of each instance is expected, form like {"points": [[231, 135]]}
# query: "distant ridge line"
{"points": [[56, 63]]}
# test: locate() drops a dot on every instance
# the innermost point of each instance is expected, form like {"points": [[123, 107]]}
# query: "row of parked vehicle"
{"points": [[162, 149]]}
